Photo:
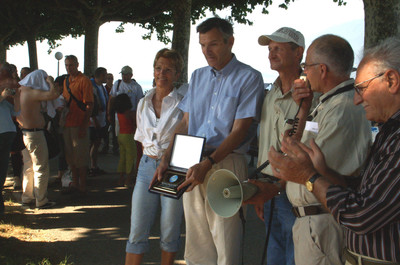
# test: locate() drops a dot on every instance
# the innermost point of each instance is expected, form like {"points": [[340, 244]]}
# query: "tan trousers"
{"points": [[318, 240], [211, 239], [36, 168]]}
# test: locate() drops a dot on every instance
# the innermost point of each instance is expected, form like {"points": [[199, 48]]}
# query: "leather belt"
{"points": [[354, 259], [32, 130], [308, 210]]}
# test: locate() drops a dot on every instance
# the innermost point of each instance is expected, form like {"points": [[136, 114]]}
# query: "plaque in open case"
{"points": [[186, 152]]}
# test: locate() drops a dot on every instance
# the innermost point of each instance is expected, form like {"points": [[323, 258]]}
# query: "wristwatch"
{"points": [[310, 182]]}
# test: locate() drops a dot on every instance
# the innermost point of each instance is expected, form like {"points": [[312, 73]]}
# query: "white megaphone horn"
{"points": [[225, 192]]}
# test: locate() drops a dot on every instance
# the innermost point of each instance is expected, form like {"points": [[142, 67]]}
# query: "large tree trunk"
{"points": [[3, 52], [382, 20], [32, 50], [181, 36], [91, 47]]}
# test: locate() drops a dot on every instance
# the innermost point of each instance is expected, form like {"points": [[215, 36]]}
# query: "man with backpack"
{"points": [[129, 86], [78, 93]]}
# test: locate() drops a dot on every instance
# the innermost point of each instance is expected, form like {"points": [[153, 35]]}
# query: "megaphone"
{"points": [[226, 192]]}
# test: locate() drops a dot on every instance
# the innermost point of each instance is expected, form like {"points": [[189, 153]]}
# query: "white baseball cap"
{"points": [[284, 34]]}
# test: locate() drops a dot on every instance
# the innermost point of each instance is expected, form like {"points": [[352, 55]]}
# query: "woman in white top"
{"points": [[157, 115]]}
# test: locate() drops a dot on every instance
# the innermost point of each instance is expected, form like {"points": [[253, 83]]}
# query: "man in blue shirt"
{"points": [[222, 103]]}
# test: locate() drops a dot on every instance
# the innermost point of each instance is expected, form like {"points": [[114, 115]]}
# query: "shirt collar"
{"points": [[394, 120], [333, 90], [227, 69], [173, 94]]}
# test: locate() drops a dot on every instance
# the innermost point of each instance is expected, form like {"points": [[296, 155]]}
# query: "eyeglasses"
{"points": [[360, 90], [304, 65]]}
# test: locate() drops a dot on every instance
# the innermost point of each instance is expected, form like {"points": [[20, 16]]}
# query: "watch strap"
{"points": [[211, 160], [314, 178]]}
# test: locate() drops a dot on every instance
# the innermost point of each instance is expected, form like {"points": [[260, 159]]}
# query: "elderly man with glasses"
{"points": [[370, 211], [344, 135]]}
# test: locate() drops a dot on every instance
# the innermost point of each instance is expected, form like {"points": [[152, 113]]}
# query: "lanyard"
{"points": [[337, 92]]}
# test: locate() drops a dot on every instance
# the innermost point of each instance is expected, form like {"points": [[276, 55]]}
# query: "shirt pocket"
{"points": [[226, 108]]}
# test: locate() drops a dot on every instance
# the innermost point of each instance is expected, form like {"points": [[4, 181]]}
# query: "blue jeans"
{"points": [[280, 245], [144, 210]]}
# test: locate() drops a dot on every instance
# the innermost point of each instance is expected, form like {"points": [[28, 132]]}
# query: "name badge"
{"points": [[311, 126]]}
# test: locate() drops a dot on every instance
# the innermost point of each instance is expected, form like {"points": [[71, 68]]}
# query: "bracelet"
{"points": [[211, 160]]}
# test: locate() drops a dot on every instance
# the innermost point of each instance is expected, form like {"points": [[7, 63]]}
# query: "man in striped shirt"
{"points": [[370, 212]]}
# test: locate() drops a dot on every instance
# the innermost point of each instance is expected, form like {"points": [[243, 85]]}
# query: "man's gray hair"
{"points": [[386, 54], [336, 53]]}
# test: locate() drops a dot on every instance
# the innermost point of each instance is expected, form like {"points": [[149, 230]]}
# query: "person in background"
{"points": [[98, 127], [75, 133], [126, 141], [62, 162], [24, 72], [36, 88], [18, 144], [129, 86], [110, 124], [223, 103], [157, 115], [7, 126]]}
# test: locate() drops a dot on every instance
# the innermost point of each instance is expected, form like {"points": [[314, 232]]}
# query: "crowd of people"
{"points": [[329, 194]]}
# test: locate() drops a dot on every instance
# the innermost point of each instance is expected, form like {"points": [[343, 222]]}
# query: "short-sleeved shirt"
{"points": [[276, 109], [132, 89], [344, 136], [215, 99], [82, 89], [125, 124]]}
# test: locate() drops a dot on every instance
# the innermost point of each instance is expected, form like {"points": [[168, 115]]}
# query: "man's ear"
{"points": [[393, 80], [299, 52], [323, 68]]}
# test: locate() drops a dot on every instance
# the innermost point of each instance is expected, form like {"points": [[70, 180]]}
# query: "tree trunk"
{"points": [[181, 35], [91, 47], [382, 20], [32, 50], [3, 52]]}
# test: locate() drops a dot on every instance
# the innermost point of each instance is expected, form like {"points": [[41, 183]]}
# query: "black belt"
{"points": [[308, 210], [32, 130], [353, 259]]}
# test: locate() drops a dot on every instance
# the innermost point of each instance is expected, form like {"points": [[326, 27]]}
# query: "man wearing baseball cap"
{"points": [[286, 47], [129, 86]]}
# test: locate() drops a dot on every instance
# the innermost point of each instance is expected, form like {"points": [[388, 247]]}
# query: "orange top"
{"points": [[82, 89], [125, 124]]}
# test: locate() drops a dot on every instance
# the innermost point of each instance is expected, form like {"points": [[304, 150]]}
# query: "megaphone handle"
{"points": [[258, 170]]}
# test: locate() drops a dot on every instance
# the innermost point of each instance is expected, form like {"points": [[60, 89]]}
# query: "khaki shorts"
{"points": [[76, 149]]}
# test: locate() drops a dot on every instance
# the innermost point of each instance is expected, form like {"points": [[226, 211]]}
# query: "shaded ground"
{"points": [[91, 229]]}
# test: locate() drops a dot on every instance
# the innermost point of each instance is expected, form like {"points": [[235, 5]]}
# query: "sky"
{"points": [[311, 17]]}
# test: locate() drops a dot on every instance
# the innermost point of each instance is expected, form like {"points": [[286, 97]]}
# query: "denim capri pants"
{"points": [[144, 211]]}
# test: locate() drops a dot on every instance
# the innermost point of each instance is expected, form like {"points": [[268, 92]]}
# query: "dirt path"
{"points": [[88, 230]]}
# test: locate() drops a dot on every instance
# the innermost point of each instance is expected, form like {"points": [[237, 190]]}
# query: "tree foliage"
{"points": [[52, 20]]}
